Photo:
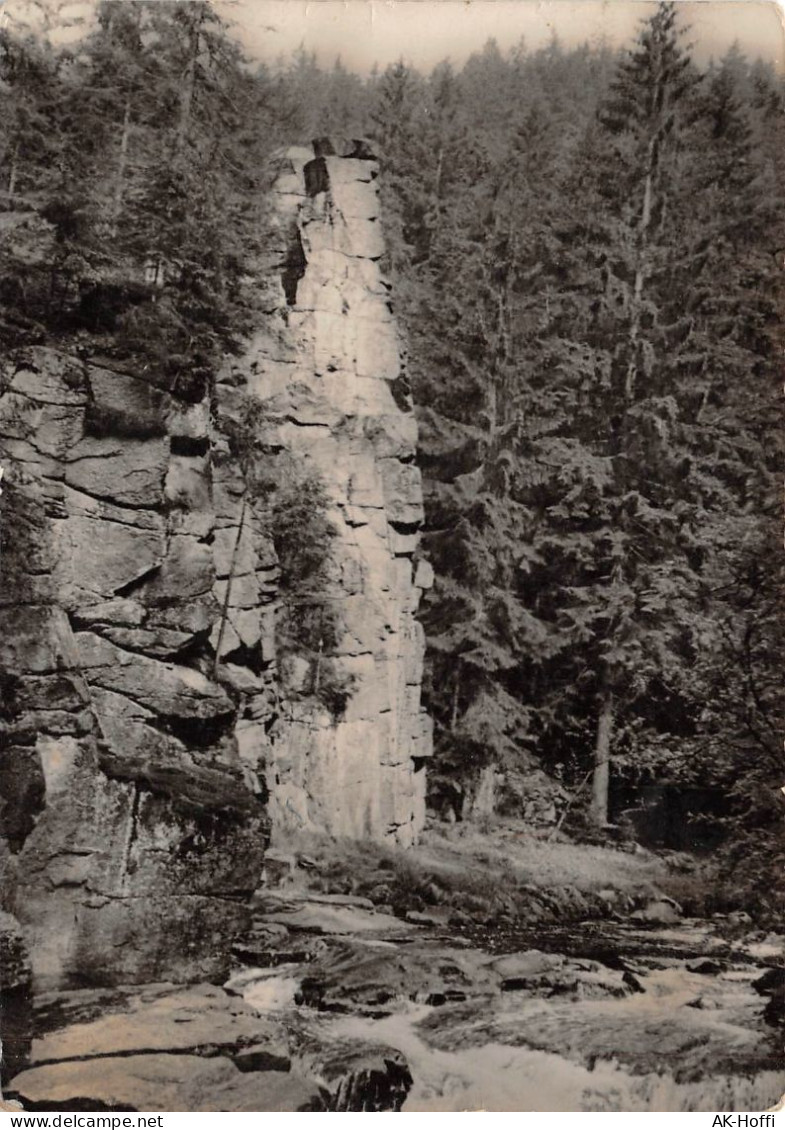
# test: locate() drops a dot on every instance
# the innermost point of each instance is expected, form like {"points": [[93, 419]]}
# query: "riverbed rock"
{"points": [[658, 912], [268, 944], [439, 916], [375, 977], [666, 1031], [772, 985], [519, 969], [774, 1012], [703, 1003], [771, 980], [707, 966], [197, 1049], [556, 975], [199, 1020], [160, 1048], [302, 914], [357, 1076], [186, 1083], [59, 1009]]}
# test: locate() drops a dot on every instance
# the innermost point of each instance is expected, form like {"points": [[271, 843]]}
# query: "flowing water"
{"points": [[498, 1077], [687, 1041]]}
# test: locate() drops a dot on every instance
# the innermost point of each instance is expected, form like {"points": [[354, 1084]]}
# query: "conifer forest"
{"points": [[584, 250]]}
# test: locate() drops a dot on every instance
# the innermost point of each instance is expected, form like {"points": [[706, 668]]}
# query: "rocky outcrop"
{"points": [[148, 705], [199, 1049], [328, 367], [185, 1083], [133, 830]]}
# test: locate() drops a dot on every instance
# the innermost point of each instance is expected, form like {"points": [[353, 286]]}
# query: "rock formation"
{"points": [[133, 832], [198, 1049], [328, 367], [143, 704]]}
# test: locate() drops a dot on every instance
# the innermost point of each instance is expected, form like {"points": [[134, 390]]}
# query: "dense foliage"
{"points": [[290, 506], [131, 186], [587, 254]]}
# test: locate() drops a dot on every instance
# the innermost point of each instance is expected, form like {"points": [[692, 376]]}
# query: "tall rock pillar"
{"points": [[328, 365]]}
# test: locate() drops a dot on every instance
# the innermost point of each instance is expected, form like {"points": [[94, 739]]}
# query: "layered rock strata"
{"points": [[133, 833], [144, 714], [328, 367], [197, 1049]]}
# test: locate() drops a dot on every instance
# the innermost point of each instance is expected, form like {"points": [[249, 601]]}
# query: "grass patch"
{"points": [[479, 875]]}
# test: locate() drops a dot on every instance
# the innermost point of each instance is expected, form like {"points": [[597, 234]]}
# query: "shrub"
{"points": [[293, 504], [309, 622]]}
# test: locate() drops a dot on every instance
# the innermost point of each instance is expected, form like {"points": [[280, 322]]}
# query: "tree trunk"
{"points": [[187, 88], [13, 174], [602, 753], [484, 803], [456, 689], [119, 184], [493, 409]]}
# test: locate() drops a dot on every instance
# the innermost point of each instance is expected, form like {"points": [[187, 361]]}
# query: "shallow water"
{"points": [[471, 1058], [266, 990], [497, 1077]]}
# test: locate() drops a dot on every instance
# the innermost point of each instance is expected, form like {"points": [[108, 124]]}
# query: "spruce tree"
{"points": [[629, 508]]}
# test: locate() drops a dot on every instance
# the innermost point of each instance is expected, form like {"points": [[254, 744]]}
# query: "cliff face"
{"points": [[143, 705], [329, 369], [132, 830]]}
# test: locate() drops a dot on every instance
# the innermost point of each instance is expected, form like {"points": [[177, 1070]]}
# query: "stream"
{"points": [[689, 1035]]}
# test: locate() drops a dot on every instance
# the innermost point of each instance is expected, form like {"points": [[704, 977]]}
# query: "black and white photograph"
{"points": [[391, 556]]}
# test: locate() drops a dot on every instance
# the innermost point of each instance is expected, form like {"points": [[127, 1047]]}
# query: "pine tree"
{"points": [[146, 207], [29, 90], [636, 569], [733, 294]]}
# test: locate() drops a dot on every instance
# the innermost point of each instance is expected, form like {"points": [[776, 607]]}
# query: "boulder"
{"points": [[357, 1076], [165, 1082], [200, 1020], [374, 979], [707, 966], [318, 917], [657, 912], [772, 985]]}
